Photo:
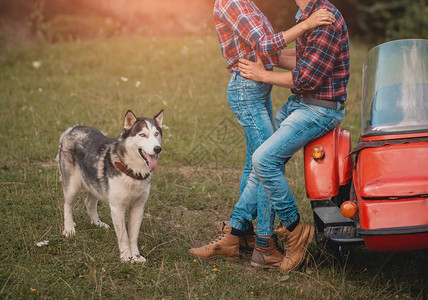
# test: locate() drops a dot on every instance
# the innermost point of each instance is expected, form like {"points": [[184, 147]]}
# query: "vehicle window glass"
{"points": [[395, 88]]}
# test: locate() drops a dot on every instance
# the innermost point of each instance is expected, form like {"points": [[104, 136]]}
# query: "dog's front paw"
{"points": [[126, 257], [138, 258], [69, 232]]}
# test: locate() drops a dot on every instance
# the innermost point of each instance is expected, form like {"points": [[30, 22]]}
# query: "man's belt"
{"points": [[337, 105]]}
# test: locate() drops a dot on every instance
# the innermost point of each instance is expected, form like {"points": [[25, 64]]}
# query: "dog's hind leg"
{"points": [[136, 212], [70, 190], [91, 205]]}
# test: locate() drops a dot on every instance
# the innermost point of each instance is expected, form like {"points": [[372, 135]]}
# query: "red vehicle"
{"points": [[377, 193]]}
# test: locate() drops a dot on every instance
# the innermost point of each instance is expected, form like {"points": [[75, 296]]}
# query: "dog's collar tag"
{"points": [[129, 172]]}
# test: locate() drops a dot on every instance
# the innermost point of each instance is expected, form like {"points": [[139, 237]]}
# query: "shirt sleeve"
{"points": [[317, 63], [246, 24]]}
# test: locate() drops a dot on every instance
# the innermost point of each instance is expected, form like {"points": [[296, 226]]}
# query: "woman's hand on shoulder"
{"points": [[319, 18]]}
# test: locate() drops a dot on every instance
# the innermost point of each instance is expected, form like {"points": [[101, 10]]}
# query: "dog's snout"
{"points": [[157, 149]]}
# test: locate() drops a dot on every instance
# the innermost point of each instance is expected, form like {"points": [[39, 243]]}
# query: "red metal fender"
{"points": [[391, 185], [323, 177], [393, 171]]}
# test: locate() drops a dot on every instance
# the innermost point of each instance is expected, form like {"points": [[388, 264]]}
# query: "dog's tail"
{"points": [[60, 147]]}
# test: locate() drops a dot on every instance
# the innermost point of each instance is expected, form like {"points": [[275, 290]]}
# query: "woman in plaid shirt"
{"points": [[244, 32]]}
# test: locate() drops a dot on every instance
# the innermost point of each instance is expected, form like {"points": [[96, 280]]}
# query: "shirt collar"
{"points": [[309, 8], [298, 15]]}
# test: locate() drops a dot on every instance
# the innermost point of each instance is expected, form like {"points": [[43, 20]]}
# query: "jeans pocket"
{"points": [[330, 125]]}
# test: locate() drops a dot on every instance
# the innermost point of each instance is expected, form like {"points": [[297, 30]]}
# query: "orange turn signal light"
{"points": [[317, 152], [348, 209]]}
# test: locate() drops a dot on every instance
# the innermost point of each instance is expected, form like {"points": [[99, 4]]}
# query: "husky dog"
{"points": [[117, 171]]}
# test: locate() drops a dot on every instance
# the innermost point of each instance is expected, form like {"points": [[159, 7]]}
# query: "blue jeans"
{"points": [[251, 104], [298, 123]]}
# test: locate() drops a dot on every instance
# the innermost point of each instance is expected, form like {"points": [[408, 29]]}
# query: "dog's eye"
{"points": [[142, 135], [156, 134]]}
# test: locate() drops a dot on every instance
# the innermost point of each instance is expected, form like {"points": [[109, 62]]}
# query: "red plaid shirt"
{"points": [[322, 66], [243, 31]]}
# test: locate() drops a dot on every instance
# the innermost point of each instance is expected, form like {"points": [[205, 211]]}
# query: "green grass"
{"points": [[195, 186]]}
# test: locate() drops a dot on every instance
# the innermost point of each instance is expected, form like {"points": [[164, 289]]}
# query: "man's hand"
{"points": [[256, 71], [252, 70]]}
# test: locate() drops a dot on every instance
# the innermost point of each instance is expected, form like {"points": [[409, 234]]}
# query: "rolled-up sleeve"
{"points": [[246, 24]]}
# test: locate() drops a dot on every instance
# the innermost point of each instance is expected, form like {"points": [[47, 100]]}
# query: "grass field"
{"points": [[46, 89]]}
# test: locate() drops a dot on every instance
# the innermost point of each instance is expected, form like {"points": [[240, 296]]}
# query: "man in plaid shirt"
{"points": [[318, 80], [244, 32]]}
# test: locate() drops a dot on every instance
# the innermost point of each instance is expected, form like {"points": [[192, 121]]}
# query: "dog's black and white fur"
{"points": [[117, 171]]}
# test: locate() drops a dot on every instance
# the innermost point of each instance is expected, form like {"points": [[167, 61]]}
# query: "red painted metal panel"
{"points": [[393, 171], [385, 173], [397, 243], [323, 177], [345, 162], [393, 213], [394, 136]]}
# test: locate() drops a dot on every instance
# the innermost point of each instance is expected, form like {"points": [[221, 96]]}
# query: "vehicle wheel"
{"points": [[328, 250]]}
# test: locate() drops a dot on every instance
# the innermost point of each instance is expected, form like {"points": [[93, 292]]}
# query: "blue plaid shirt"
{"points": [[322, 62]]}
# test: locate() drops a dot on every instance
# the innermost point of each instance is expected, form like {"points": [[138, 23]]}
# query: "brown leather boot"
{"points": [[224, 245], [296, 244], [267, 253], [247, 240]]}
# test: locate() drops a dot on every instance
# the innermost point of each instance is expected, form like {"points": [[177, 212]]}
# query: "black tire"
{"points": [[328, 251]]}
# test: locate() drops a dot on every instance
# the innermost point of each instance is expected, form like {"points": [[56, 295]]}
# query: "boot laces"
{"points": [[286, 244], [278, 246], [218, 237]]}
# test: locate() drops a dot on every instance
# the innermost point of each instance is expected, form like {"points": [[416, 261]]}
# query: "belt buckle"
{"points": [[340, 105]]}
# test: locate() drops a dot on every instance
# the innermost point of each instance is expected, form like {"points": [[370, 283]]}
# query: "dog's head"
{"points": [[142, 140]]}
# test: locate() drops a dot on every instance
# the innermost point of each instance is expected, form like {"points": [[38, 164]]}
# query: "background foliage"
{"points": [[391, 19], [370, 20], [57, 20]]}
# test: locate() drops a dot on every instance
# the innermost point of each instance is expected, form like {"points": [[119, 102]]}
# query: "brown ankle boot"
{"points": [[224, 245], [296, 244], [248, 240], [267, 253]]}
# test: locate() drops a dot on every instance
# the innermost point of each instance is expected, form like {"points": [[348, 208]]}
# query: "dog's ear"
{"points": [[129, 120], [159, 118]]}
